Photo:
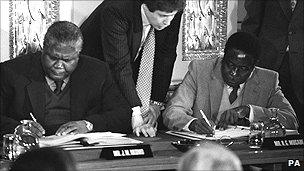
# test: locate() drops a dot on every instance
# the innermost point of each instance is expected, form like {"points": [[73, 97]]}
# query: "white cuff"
{"points": [[89, 125], [186, 127], [251, 115], [136, 111], [160, 104]]}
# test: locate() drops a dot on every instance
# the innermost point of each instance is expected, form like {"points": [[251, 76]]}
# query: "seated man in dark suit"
{"points": [[228, 91], [68, 93]]}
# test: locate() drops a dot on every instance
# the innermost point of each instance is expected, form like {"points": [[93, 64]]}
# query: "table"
{"points": [[166, 156]]}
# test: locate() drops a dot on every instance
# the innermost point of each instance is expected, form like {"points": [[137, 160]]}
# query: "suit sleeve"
{"points": [[117, 53], [7, 123], [276, 99], [112, 112], [254, 17], [165, 56], [179, 111]]}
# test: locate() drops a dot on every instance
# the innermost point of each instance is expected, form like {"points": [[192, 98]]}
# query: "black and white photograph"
{"points": [[168, 85]]}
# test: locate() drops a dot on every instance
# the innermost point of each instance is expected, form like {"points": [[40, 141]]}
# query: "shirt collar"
{"points": [[50, 81], [240, 88], [144, 18]]}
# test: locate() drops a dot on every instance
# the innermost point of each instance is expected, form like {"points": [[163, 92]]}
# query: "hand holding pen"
{"points": [[209, 122], [202, 126], [37, 128], [30, 126]]}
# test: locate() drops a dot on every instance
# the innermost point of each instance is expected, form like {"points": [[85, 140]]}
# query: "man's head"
{"points": [[241, 53], [45, 159], [62, 44], [161, 12], [210, 156]]}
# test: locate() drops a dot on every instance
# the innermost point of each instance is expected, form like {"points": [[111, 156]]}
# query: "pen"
{"points": [[207, 120], [32, 116]]}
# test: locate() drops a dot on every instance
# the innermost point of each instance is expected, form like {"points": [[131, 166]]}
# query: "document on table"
{"points": [[96, 138], [231, 131]]}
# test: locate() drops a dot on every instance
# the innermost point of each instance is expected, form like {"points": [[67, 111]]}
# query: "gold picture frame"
{"points": [[28, 22], [204, 29]]}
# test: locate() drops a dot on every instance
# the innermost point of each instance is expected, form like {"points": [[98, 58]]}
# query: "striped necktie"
{"points": [[144, 80], [57, 91], [233, 94]]}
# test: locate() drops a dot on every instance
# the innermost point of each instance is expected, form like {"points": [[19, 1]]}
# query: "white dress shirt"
{"points": [[52, 84]]}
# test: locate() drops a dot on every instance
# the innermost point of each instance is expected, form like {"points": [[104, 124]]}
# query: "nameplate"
{"points": [[123, 152], [289, 141]]}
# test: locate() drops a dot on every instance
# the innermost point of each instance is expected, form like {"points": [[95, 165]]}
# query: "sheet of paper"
{"points": [[55, 140], [80, 147], [232, 132], [116, 141], [106, 142]]}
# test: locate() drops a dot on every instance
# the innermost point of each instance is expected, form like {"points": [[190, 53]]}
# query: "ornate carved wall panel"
{"points": [[204, 29], [28, 22]]}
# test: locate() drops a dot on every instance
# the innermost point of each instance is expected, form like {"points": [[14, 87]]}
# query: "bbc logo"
{"points": [[294, 163]]}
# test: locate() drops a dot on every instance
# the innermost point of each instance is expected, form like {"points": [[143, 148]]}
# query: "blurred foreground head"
{"points": [[210, 156], [44, 159]]}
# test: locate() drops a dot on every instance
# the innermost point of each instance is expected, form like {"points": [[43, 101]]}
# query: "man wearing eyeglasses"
{"points": [[66, 92], [228, 91]]}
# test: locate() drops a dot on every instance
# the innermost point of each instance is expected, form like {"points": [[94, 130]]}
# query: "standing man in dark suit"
{"points": [[279, 25], [68, 93], [118, 33]]}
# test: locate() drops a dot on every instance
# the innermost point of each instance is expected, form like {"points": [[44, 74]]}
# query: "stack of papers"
{"points": [[231, 131], [96, 138]]}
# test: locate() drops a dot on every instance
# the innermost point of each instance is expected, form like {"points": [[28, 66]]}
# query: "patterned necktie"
{"points": [[293, 4], [144, 80], [57, 91], [233, 94]]}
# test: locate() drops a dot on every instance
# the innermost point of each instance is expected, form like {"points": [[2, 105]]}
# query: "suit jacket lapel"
{"points": [[216, 90], [137, 28], [251, 90], [36, 88], [136, 44], [285, 5], [78, 90]]}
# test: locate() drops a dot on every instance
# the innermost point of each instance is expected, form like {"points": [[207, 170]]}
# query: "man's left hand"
{"points": [[73, 127], [152, 115], [146, 129], [231, 116]]}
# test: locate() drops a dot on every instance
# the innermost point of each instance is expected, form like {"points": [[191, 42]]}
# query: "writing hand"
{"points": [[232, 116], [33, 127], [73, 127], [200, 126]]}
